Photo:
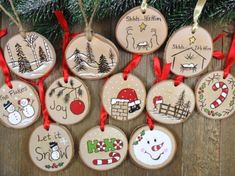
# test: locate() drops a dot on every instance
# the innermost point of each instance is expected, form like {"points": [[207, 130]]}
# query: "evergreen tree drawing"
{"points": [[90, 54], [180, 102], [78, 61], [111, 56], [103, 66], [187, 105], [42, 55], [24, 65]]}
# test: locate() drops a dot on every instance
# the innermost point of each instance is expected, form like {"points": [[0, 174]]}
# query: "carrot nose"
{"points": [[157, 147]]}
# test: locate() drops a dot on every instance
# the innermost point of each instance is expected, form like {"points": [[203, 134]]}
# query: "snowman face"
{"points": [[11, 109], [24, 102], [14, 118], [154, 147]]}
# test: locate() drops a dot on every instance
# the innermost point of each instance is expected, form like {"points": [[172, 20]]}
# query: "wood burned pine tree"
{"points": [[180, 102], [24, 64], [78, 61], [111, 56], [90, 55], [42, 55], [103, 65]]}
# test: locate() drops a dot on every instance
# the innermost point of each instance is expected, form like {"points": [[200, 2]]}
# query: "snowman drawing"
{"points": [[55, 154], [14, 116], [152, 147], [27, 108]]}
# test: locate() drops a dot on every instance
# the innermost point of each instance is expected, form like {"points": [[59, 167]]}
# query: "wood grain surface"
{"points": [[205, 147]]}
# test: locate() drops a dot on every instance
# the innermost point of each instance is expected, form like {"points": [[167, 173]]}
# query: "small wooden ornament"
{"points": [[68, 103], [215, 95], [20, 106], [123, 99], [30, 57], [139, 32], [190, 53], [152, 149], [51, 150], [93, 59], [170, 104], [103, 150]]}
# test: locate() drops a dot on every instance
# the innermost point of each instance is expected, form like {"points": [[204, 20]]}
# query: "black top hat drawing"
{"points": [[53, 144], [7, 104]]}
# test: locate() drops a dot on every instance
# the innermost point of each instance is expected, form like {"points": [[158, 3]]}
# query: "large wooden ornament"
{"points": [[51, 150], [152, 149], [20, 105], [30, 57], [215, 96], [139, 32], [68, 103], [103, 150], [190, 53], [93, 59], [123, 99], [170, 104]]}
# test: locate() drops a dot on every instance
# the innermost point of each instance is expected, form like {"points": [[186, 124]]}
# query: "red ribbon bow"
{"points": [[136, 58], [161, 74], [3, 63]]}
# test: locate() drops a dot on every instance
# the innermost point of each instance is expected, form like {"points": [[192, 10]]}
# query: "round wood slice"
{"points": [[190, 53], [103, 150], [139, 32], [152, 149], [93, 59], [51, 150], [31, 57], [170, 104], [123, 99], [215, 96], [68, 103], [20, 106]]}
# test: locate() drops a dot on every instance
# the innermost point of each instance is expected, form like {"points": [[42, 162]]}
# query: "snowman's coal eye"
{"points": [[148, 142], [155, 140]]}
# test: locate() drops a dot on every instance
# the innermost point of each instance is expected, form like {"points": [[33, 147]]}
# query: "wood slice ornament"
{"points": [[190, 53], [93, 59], [30, 57], [123, 99], [215, 95], [68, 103], [20, 105], [51, 150], [103, 150], [152, 149], [141, 33], [170, 104]]}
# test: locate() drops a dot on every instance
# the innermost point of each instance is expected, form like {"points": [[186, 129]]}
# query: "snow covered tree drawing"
{"points": [[78, 61], [180, 102], [30, 40], [90, 55], [42, 55], [103, 66], [24, 64], [111, 56]]}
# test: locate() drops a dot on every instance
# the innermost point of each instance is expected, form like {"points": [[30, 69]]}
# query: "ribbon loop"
{"points": [[136, 58], [197, 12], [149, 121], [161, 74], [3, 64], [230, 58], [103, 117], [144, 6], [178, 79]]}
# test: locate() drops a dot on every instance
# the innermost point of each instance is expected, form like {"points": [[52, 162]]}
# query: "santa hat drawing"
{"points": [[127, 95]]}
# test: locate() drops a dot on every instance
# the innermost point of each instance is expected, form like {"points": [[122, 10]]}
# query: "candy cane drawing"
{"points": [[115, 157], [223, 95]]}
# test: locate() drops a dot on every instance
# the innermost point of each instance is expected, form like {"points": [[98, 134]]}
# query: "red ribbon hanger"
{"points": [[149, 121], [3, 64], [178, 79], [103, 117], [160, 74], [136, 58], [219, 55], [230, 58], [66, 39]]}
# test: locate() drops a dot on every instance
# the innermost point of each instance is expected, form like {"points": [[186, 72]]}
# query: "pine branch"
{"points": [[39, 13]]}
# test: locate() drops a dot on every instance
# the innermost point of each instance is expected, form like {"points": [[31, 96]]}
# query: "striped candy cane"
{"points": [[223, 95], [114, 158]]}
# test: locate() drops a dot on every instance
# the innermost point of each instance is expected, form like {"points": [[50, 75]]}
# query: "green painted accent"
{"points": [[91, 146], [109, 144]]}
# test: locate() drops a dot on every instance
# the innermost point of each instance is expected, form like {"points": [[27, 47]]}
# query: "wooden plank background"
{"points": [[205, 147]]}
